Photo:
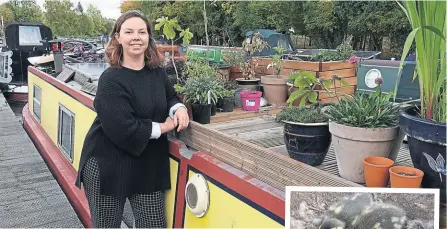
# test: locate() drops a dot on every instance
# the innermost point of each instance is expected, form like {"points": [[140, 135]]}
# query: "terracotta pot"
{"points": [[275, 89], [353, 144], [405, 177], [235, 73], [377, 171]]}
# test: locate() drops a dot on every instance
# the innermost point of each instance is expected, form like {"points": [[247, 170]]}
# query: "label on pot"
{"points": [[250, 103]]}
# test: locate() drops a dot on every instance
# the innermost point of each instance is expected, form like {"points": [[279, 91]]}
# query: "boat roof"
{"points": [[83, 76], [264, 32]]}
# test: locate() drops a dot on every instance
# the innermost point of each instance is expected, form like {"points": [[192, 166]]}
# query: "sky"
{"points": [[108, 8]]}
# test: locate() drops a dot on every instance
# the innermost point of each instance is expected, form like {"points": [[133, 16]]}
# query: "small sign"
{"points": [[250, 103]]}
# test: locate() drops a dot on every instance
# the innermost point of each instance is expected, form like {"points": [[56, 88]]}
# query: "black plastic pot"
{"points": [[219, 103], [201, 113], [427, 146], [227, 104], [307, 142], [213, 109]]}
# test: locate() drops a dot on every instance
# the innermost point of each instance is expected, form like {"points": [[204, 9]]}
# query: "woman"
{"points": [[125, 153]]}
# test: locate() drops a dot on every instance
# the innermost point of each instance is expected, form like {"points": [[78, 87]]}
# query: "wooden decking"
{"points": [[29, 194], [264, 131], [261, 129]]}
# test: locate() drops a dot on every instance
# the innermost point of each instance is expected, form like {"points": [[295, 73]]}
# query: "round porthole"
{"points": [[371, 76], [197, 195]]}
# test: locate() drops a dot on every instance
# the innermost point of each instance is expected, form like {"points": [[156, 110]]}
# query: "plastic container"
{"points": [[251, 100]]}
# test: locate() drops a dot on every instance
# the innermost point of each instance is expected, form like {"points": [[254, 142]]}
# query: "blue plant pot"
{"points": [[427, 146], [306, 142]]}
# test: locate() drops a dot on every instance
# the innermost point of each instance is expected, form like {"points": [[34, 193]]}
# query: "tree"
{"points": [[25, 11], [7, 15], [169, 30], [128, 5]]}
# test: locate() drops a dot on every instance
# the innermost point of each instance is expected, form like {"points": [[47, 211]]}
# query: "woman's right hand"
{"points": [[168, 125]]}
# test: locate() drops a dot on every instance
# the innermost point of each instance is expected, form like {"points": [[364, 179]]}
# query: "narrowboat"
{"points": [[218, 180], [208, 190]]}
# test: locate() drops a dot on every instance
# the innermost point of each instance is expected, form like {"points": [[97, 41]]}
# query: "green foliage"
{"points": [[277, 61], [196, 90], [344, 52], [427, 18], [308, 87], [313, 114], [373, 111], [199, 68], [234, 58]]}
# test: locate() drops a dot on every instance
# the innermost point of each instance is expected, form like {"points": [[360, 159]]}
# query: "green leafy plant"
{"points": [[256, 44], [196, 90], [198, 67], [234, 58], [312, 114], [277, 61], [427, 19], [342, 53], [308, 87], [169, 30], [179, 89], [372, 111]]}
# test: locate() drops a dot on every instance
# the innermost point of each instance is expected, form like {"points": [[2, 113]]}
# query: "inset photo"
{"points": [[361, 208]]}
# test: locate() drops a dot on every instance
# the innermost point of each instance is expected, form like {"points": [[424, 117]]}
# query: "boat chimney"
{"points": [[58, 55]]}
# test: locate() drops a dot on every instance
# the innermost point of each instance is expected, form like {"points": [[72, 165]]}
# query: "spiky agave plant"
{"points": [[428, 21]]}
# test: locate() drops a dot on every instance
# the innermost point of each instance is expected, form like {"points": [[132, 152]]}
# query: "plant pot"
{"points": [[228, 104], [219, 103], [213, 109], [201, 113], [307, 142], [427, 146], [248, 84], [377, 171], [275, 88], [353, 144], [405, 177], [235, 73], [251, 100]]}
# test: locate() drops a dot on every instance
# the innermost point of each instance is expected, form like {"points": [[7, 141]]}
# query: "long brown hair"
{"points": [[114, 50]]}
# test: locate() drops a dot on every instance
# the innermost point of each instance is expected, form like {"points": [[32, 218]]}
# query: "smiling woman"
{"points": [[126, 151], [132, 33]]}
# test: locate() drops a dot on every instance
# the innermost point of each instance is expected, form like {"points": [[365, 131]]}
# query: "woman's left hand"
{"points": [[181, 118]]}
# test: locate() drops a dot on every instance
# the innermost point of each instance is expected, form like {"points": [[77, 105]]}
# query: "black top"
{"points": [[127, 102]]}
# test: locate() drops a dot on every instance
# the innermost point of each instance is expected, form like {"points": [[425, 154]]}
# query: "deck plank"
{"points": [[269, 135], [29, 194]]}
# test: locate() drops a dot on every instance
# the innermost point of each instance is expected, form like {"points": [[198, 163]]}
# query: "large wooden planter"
{"points": [[325, 70]]}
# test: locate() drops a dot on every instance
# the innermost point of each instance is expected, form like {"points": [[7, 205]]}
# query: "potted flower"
{"points": [[255, 44], [200, 68], [234, 58], [202, 93], [228, 100], [425, 124], [275, 88], [362, 126], [306, 132]]}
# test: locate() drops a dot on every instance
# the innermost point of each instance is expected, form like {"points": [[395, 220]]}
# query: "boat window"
{"points": [[37, 96], [65, 132]]}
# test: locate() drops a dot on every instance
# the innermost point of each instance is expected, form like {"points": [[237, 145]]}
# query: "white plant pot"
{"points": [[353, 144]]}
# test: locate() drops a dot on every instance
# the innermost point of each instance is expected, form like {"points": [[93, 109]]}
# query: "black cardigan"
{"points": [[128, 103]]}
